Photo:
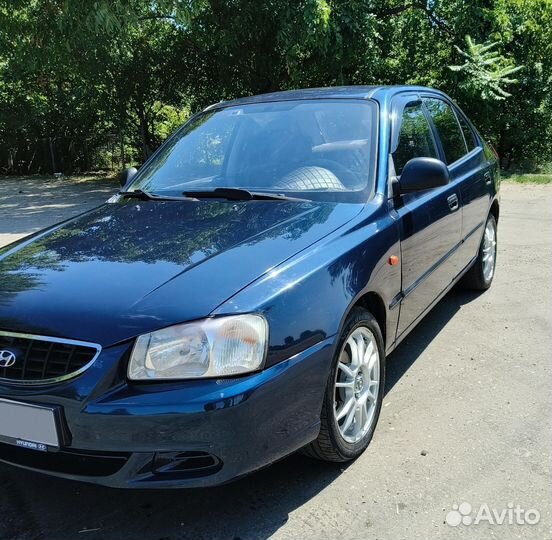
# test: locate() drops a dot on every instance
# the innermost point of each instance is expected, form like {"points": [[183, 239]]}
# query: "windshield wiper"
{"points": [[145, 196], [238, 194], [137, 194]]}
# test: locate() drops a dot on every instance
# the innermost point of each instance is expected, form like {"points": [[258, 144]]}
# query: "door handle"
{"points": [[453, 202], [488, 177]]}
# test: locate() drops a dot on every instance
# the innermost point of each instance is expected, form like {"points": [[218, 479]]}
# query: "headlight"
{"points": [[210, 348]]}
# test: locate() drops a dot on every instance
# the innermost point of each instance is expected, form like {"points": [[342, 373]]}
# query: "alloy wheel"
{"points": [[356, 385], [489, 250]]}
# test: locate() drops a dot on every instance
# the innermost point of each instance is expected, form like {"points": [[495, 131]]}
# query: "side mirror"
{"points": [[127, 175], [423, 173]]}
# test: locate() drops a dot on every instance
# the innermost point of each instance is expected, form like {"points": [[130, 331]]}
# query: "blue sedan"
{"points": [[236, 300]]}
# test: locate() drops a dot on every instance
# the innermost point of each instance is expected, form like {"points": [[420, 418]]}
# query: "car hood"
{"points": [[131, 267]]}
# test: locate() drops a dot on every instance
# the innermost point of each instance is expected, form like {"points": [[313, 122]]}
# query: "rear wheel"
{"points": [[481, 274], [354, 392]]}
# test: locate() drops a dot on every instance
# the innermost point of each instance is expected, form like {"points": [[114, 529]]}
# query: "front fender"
{"points": [[307, 298]]}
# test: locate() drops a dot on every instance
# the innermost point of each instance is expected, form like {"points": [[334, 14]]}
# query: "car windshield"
{"points": [[315, 149]]}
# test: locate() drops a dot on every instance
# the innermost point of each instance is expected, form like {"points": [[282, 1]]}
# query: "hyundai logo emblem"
{"points": [[7, 359]]}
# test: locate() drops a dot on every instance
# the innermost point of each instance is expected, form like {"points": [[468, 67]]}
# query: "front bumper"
{"points": [[186, 434]]}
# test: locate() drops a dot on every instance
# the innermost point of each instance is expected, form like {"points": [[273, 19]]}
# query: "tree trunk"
{"points": [[144, 132], [51, 148], [122, 144]]}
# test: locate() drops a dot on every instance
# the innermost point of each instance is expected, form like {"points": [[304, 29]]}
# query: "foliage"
{"points": [[529, 178], [487, 71], [82, 82]]}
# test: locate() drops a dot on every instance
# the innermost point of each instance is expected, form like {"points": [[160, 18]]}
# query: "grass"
{"points": [[528, 178]]}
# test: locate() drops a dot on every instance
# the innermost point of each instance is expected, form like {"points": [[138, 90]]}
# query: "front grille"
{"points": [[40, 359]]}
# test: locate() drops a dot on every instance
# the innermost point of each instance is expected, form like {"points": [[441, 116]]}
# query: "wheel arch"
{"points": [[372, 302], [495, 209]]}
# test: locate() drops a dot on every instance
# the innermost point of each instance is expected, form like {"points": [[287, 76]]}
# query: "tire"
{"points": [[480, 276], [332, 444]]}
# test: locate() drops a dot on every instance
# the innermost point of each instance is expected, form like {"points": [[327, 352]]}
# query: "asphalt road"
{"points": [[466, 419]]}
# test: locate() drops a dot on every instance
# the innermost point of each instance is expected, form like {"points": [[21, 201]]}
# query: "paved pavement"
{"points": [[466, 419], [32, 203]]}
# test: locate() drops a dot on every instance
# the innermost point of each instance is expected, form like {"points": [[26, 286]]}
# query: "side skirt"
{"points": [[430, 307]]}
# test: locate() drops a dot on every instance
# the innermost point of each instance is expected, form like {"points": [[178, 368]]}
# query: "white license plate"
{"points": [[28, 426]]}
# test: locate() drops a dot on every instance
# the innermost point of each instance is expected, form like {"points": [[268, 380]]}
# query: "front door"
{"points": [[430, 221]]}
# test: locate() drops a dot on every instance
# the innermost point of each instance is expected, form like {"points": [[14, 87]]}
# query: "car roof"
{"points": [[378, 93]]}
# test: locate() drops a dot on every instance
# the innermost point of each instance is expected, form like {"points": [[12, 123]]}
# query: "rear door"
{"points": [[469, 171], [430, 221]]}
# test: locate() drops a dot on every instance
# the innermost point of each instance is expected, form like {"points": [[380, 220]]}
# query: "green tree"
{"points": [[487, 71], [83, 71]]}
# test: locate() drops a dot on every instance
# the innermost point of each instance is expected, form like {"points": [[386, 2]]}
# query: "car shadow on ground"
{"points": [[400, 360], [254, 507]]}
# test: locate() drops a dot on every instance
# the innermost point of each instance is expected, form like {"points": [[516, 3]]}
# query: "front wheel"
{"points": [[354, 392], [481, 274]]}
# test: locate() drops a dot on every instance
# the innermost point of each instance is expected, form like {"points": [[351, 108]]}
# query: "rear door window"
{"points": [[469, 136], [448, 129], [415, 137]]}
